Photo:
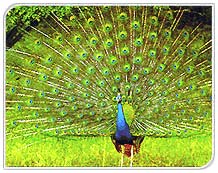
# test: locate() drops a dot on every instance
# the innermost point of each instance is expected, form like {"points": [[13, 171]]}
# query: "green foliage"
{"points": [[22, 16]]}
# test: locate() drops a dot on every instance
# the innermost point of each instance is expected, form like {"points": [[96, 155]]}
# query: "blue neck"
{"points": [[122, 128], [121, 121]]}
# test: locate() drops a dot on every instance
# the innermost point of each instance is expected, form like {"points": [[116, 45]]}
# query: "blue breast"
{"points": [[122, 135]]}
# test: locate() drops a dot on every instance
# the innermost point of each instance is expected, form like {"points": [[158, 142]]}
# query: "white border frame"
{"points": [[112, 168]]}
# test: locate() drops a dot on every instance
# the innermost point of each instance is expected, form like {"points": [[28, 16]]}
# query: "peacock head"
{"points": [[119, 98]]}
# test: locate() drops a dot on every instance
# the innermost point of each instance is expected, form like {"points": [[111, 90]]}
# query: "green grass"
{"points": [[100, 152]]}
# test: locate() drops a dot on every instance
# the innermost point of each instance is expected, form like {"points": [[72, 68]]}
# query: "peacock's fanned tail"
{"points": [[63, 76]]}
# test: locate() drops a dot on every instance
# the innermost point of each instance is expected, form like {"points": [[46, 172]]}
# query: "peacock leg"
{"points": [[122, 156], [131, 157]]}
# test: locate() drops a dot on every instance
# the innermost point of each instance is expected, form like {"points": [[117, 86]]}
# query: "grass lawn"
{"points": [[43, 151]]}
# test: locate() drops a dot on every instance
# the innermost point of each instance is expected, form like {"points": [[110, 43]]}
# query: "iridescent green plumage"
{"points": [[63, 76]]}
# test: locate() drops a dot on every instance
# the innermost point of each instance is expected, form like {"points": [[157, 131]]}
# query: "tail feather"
{"points": [[63, 76]]}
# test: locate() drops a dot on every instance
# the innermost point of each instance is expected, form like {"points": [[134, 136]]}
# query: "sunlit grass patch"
{"points": [[99, 152]]}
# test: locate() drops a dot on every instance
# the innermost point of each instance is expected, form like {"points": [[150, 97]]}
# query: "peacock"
{"points": [[77, 74]]}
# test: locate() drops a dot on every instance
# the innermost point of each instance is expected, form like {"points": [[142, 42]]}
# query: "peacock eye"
{"points": [[138, 42]]}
